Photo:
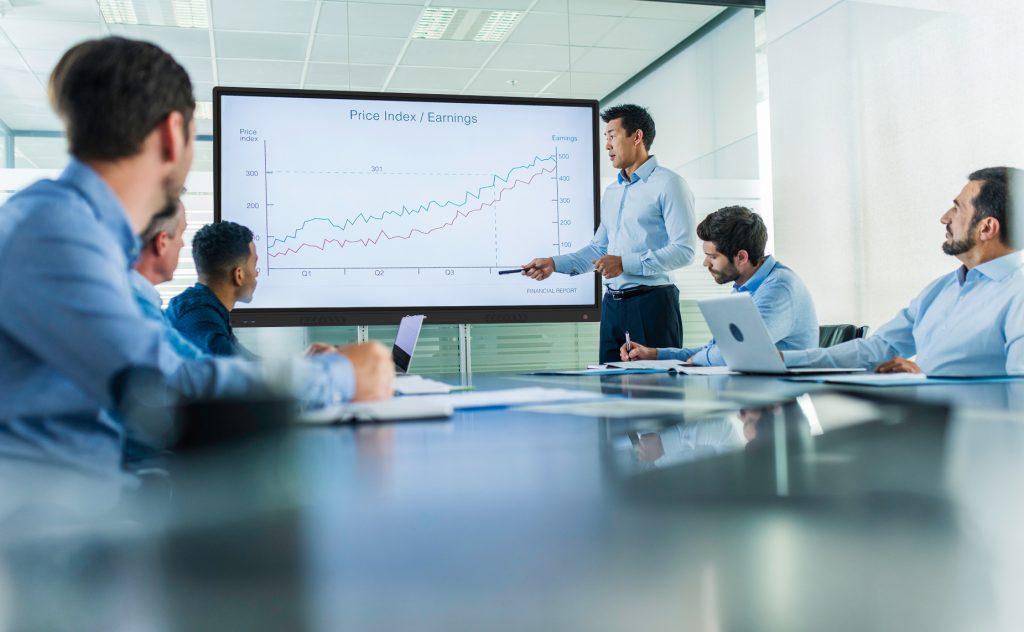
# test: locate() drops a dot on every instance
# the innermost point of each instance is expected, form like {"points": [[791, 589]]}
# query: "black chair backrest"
{"points": [[830, 335]]}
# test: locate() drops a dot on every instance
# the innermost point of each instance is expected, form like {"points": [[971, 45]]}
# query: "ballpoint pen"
{"points": [[629, 346]]}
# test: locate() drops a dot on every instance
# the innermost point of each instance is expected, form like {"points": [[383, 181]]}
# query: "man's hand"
{"points": [[639, 352], [610, 266], [319, 347], [375, 372], [898, 365], [540, 268]]}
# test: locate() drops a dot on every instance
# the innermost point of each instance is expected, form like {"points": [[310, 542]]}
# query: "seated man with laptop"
{"points": [[968, 323], [734, 242]]}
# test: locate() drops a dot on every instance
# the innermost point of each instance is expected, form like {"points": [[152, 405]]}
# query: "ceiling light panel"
{"points": [[179, 13], [476, 25]]}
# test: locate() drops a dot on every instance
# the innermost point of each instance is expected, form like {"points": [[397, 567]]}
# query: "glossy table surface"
{"points": [[900, 515]]}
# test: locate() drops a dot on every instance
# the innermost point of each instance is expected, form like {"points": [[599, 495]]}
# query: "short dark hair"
{"points": [[219, 248], [995, 197], [735, 228], [633, 118], [112, 92]]}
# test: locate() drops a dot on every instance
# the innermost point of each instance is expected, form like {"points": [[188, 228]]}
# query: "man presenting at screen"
{"points": [[646, 230]]}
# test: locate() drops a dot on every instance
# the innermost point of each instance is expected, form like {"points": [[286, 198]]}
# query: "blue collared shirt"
{"points": [[148, 300], [647, 220], [200, 317], [966, 323], [69, 325], [785, 305]]}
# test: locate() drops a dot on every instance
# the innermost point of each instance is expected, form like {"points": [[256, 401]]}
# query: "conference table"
{"points": [[678, 502]]}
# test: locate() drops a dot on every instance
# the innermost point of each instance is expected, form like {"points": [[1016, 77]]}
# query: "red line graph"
{"points": [[383, 235]]}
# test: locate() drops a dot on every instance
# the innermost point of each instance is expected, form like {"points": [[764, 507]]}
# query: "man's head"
{"points": [[734, 240], [121, 99], [162, 242], [628, 133], [225, 258], [980, 213]]}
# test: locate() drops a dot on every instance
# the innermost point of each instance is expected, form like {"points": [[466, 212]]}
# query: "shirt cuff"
{"points": [[330, 380], [672, 353], [562, 263], [631, 264], [795, 358]]}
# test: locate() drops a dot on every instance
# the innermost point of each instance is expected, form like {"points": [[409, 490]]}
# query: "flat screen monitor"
{"points": [[368, 206]]}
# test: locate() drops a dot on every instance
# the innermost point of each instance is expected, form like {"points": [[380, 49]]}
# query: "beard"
{"points": [[958, 246], [727, 275]]}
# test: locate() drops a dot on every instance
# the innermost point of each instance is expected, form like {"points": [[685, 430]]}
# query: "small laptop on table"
{"points": [[405, 342], [743, 338]]}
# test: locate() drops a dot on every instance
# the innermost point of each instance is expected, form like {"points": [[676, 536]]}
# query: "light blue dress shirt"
{"points": [[785, 305], [69, 325], [966, 323], [647, 220], [148, 300]]}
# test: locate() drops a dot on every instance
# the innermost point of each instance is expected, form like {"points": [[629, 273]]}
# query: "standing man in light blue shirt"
{"points": [[969, 322], [734, 242], [70, 331], [646, 231]]}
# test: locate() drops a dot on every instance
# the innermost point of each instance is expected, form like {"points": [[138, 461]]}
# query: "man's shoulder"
{"points": [[46, 206], [195, 300]]}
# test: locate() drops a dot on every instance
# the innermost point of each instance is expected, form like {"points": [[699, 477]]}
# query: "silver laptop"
{"points": [[743, 338], [405, 342]]}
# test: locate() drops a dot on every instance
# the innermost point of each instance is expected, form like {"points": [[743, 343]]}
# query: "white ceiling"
{"points": [[558, 48]]}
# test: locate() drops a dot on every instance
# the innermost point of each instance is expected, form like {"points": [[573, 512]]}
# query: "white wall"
{"points": [[879, 110]]}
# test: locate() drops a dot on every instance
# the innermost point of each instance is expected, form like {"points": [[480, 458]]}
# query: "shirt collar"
{"points": [[998, 268], [210, 298], [643, 172], [755, 281], [108, 208], [144, 288]]}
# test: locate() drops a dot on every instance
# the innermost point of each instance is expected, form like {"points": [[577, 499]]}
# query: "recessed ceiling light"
{"points": [[204, 110], [433, 22], [190, 14], [118, 12], [180, 13], [497, 26], [512, 82], [476, 25]]}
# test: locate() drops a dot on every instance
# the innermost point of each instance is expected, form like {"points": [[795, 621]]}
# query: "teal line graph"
{"points": [[366, 219]]}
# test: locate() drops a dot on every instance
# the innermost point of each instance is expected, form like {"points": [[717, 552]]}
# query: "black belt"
{"points": [[619, 295]]}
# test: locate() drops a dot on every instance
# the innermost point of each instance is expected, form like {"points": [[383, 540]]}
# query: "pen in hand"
{"points": [[629, 347]]}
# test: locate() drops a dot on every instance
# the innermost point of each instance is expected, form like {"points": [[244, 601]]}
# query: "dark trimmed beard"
{"points": [[958, 246]]}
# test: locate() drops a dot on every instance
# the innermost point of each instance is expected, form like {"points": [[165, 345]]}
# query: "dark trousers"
{"points": [[652, 319]]}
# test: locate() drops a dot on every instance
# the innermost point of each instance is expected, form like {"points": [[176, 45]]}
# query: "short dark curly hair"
{"points": [[217, 249], [633, 118], [112, 92], [735, 228]]}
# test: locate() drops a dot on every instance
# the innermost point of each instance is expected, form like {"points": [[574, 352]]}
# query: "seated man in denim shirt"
{"points": [[162, 242], [734, 241], [225, 258]]}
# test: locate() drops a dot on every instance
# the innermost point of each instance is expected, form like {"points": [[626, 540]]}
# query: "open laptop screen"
{"points": [[405, 342]]}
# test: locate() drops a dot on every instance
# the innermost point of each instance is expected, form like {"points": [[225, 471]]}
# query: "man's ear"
{"points": [[237, 276], [741, 257], [988, 228], [160, 243], [172, 136], [639, 137]]}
